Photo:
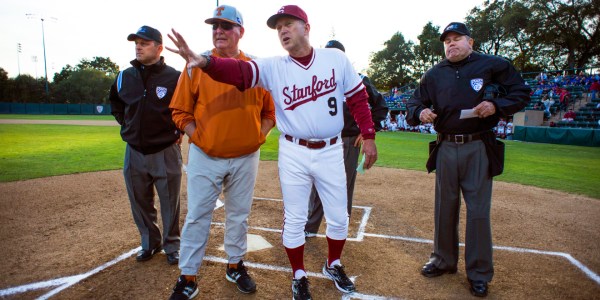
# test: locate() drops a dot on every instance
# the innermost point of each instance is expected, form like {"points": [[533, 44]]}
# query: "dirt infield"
{"points": [[59, 233]]}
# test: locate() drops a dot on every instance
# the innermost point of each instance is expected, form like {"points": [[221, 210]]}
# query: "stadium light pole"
{"points": [[44, 46], [19, 57]]}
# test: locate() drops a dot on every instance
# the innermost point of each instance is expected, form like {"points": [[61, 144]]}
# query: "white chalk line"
{"points": [[289, 270], [66, 282], [367, 211]]}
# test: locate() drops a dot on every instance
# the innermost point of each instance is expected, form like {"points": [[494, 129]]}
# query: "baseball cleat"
{"points": [[184, 290], [300, 289], [241, 278], [339, 277]]}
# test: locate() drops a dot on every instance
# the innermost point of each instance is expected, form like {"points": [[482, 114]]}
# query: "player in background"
{"points": [[309, 86], [226, 128], [139, 101], [352, 140]]}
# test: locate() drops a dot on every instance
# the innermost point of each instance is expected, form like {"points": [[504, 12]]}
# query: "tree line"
{"points": [[86, 83], [536, 35]]}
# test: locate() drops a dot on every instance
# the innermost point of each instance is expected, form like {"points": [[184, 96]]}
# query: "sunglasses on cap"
{"points": [[224, 25]]}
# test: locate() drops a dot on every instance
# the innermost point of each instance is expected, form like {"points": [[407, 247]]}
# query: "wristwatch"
{"points": [[207, 57]]}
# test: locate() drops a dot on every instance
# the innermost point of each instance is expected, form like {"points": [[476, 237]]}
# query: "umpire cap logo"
{"points": [[161, 92], [477, 84]]}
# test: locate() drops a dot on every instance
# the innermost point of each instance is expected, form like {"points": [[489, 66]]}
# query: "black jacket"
{"points": [[448, 88], [139, 100], [378, 107]]}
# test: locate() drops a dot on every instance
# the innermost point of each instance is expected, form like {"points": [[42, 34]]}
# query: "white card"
{"points": [[360, 167], [467, 113]]}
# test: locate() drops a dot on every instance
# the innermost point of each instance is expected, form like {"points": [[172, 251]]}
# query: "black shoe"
{"points": [[173, 258], [300, 289], [430, 270], [184, 290], [339, 277], [144, 255], [479, 288], [241, 278]]}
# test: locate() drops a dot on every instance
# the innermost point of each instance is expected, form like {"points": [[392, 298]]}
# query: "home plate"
{"points": [[255, 243]]}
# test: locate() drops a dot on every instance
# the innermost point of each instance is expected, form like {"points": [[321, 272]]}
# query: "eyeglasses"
{"points": [[224, 25]]}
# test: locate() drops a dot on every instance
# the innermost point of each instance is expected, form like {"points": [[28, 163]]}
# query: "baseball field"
{"points": [[72, 236]]}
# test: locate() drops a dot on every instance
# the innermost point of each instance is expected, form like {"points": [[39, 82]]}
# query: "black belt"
{"points": [[312, 144], [459, 138]]}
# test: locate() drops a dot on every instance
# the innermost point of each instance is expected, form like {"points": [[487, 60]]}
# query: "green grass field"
{"points": [[59, 117], [33, 151]]}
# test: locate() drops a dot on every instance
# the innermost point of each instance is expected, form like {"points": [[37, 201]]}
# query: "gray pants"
{"points": [[463, 167], [315, 208], [207, 177], [143, 173]]}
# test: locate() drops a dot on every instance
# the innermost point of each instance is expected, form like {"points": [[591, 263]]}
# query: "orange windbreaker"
{"points": [[227, 121]]}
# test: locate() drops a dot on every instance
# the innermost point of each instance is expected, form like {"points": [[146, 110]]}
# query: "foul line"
{"points": [[66, 282], [367, 212]]}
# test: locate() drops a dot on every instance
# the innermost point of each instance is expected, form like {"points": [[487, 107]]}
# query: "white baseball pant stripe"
{"points": [[299, 169]]}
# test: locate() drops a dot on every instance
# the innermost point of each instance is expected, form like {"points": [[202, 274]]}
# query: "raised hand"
{"points": [[193, 59]]}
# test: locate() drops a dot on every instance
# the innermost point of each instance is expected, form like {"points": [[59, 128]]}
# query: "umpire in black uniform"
{"points": [[139, 100], [466, 154]]}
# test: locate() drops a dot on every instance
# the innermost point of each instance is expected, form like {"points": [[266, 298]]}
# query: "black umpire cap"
{"points": [[457, 27], [146, 33], [335, 44]]}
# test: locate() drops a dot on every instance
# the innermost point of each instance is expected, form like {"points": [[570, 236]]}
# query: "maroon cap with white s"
{"points": [[293, 11]]}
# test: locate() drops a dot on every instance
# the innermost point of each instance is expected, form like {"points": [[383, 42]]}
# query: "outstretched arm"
{"points": [[227, 70], [193, 59]]}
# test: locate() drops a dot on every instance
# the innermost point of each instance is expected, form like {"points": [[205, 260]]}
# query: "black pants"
{"points": [[144, 173], [463, 168]]}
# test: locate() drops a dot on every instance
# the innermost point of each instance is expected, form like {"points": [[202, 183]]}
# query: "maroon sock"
{"points": [[296, 257], [335, 249]]}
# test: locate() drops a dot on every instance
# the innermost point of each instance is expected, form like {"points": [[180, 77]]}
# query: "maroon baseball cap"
{"points": [[287, 11]]}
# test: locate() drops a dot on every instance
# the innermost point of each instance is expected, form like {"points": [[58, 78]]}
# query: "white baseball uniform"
{"points": [[308, 102]]}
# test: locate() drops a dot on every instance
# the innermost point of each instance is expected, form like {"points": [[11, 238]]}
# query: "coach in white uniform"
{"points": [[309, 86]]}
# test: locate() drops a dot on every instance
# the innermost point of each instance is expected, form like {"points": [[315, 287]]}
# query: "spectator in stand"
{"points": [[565, 98], [557, 78], [401, 119], [595, 88], [538, 91], [509, 129], [569, 116], [541, 78], [501, 128], [548, 102]]}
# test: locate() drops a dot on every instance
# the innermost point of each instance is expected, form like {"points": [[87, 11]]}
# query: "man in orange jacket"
{"points": [[226, 128]]}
